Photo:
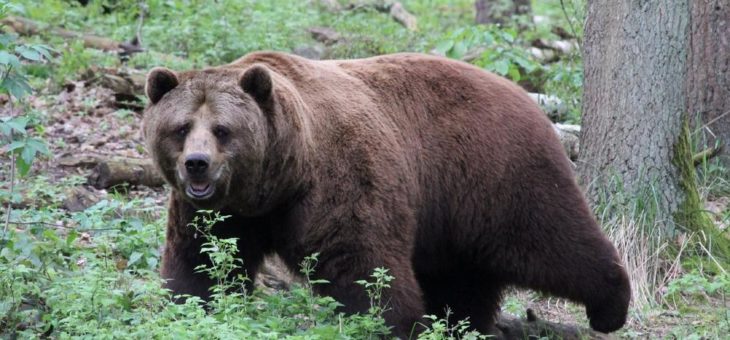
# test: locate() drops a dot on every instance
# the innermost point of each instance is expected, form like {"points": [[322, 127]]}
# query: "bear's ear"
{"points": [[160, 80], [256, 81]]}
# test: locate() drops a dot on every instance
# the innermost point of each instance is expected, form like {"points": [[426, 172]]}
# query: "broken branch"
{"points": [[25, 26], [107, 174]]}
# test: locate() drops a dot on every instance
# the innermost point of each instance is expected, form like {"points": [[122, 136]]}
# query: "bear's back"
{"points": [[459, 129]]}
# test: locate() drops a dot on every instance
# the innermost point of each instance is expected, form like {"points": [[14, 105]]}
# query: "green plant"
{"points": [[374, 289], [14, 138], [441, 329], [20, 144], [513, 305], [373, 322], [495, 49], [13, 81], [228, 291], [74, 60], [697, 285]]}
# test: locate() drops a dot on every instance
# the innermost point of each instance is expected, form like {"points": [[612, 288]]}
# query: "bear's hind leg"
{"points": [[556, 246], [465, 295]]}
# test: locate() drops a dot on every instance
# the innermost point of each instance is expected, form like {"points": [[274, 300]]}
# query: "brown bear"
{"points": [[446, 174]]}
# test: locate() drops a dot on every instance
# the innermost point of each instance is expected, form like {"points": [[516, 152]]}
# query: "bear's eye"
{"points": [[183, 130], [221, 132]]}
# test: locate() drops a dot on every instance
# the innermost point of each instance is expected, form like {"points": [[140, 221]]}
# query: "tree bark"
{"points": [[708, 77], [635, 127], [498, 11], [633, 102]]}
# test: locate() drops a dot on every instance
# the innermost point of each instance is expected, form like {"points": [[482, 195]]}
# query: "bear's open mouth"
{"points": [[199, 190]]}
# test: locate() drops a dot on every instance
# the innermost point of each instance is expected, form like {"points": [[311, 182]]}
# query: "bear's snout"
{"points": [[195, 174], [197, 165]]}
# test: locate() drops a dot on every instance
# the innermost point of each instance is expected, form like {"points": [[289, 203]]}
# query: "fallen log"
{"points": [[569, 137], [330, 5], [495, 12], [123, 83], [108, 174], [127, 88], [108, 171], [559, 46], [402, 16], [552, 105], [26, 26], [90, 160], [325, 35], [394, 9]]}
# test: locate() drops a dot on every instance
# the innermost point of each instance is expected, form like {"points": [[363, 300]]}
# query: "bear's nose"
{"points": [[196, 164]]}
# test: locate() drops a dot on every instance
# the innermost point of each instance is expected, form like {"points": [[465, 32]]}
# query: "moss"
{"points": [[690, 213]]}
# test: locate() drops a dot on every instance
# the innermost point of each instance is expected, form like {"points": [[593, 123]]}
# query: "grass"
{"points": [[211, 33]]}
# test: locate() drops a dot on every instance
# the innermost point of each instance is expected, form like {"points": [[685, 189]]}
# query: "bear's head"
{"points": [[216, 137]]}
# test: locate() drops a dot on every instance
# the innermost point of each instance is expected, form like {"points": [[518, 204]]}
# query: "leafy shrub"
{"points": [[498, 49], [13, 134]]}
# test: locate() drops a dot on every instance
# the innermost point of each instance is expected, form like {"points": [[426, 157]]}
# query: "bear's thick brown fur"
{"points": [[448, 175]]}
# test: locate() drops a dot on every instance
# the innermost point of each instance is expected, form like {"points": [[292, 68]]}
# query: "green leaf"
{"points": [[9, 59], [38, 145], [28, 154], [134, 258], [19, 144], [28, 53], [507, 35], [488, 39], [524, 63], [16, 85], [71, 237], [514, 73], [444, 46], [6, 39], [50, 234], [23, 167], [18, 124], [458, 51], [44, 50], [5, 307], [501, 67]]}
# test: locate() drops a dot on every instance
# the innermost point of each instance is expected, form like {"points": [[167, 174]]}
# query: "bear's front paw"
{"points": [[608, 317]]}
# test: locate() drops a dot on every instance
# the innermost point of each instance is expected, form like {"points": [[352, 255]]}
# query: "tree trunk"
{"points": [[633, 99], [522, 7], [708, 77], [635, 127], [498, 11]]}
